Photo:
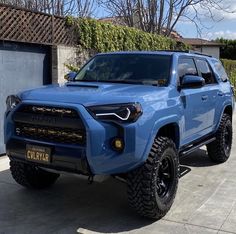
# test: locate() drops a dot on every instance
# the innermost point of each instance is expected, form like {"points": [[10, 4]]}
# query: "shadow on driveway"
{"points": [[72, 204], [68, 205]]}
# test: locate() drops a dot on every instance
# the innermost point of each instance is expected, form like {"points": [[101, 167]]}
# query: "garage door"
{"points": [[21, 67]]}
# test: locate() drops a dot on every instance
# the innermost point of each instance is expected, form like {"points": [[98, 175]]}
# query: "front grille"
{"points": [[50, 124], [50, 134]]}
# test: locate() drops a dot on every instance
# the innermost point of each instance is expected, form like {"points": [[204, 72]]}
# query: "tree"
{"points": [[80, 8], [162, 16]]}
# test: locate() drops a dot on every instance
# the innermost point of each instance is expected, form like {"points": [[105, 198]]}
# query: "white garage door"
{"points": [[21, 67]]}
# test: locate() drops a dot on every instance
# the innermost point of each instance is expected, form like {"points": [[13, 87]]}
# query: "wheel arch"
{"points": [[228, 110], [170, 130], [168, 127]]}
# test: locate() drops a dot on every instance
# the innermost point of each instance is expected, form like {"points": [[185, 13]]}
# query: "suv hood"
{"points": [[94, 93]]}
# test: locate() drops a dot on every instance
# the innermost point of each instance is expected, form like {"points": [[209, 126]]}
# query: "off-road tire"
{"points": [[218, 150], [142, 182], [31, 176]]}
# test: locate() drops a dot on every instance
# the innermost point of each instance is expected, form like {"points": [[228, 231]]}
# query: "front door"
{"points": [[195, 103]]}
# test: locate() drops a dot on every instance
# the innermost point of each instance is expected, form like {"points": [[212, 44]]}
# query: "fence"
{"points": [[22, 25]]}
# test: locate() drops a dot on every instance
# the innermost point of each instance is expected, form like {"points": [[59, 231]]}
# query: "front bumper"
{"points": [[96, 156], [63, 158]]}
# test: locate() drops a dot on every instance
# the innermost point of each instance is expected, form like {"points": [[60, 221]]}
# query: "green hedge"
{"points": [[228, 50], [106, 37], [230, 67]]}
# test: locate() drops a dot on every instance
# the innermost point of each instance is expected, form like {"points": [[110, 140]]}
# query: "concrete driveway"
{"points": [[205, 203]]}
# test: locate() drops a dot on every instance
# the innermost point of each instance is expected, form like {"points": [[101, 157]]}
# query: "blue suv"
{"points": [[125, 114]]}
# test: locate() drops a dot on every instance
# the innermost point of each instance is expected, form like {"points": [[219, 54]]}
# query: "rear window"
{"points": [[142, 68]]}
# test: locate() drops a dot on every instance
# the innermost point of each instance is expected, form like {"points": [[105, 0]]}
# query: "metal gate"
{"points": [[22, 66]]}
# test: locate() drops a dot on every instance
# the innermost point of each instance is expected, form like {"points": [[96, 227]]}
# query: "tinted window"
{"points": [[186, 66], [205, 71], [141, 68], [220, 70]]}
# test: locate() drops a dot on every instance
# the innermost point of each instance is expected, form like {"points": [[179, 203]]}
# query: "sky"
{"points": [[225, 26]]}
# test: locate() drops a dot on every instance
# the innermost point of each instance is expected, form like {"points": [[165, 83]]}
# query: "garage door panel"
{"points": [[21, 67]]}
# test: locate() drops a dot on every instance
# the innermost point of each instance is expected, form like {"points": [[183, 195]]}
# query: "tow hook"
{"points": [[90, 179]]}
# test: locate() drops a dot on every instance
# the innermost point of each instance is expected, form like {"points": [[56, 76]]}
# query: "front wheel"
{"points": [[220, 149], [31, 176], [152, 187]]}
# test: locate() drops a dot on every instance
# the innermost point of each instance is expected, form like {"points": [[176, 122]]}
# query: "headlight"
{"points": [[118, 112], [12, 101]]}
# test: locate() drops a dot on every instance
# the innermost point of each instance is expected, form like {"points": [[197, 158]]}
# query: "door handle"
{"points": [[220, 94], [204, 97]]}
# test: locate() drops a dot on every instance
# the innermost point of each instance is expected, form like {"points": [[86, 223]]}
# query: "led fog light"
{"points": [[118, 144]]}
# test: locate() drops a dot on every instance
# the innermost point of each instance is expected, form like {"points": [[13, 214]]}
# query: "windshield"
{"points": [[127, 68]]}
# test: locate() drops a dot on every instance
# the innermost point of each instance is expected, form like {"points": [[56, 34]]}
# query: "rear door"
{"points": [[211, 88]]}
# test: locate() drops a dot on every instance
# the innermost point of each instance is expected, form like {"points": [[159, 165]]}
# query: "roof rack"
{"points": [[187, 51], [199, 53]]}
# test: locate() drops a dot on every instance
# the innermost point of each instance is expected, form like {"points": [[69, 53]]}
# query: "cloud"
{"points": [[228, 34], [225, 10]]}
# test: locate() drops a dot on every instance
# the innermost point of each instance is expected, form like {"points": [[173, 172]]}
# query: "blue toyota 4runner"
{"points": [[129, 114]]}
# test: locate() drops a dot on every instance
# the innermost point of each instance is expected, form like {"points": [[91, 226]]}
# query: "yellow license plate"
{"points": [[38, 154]]}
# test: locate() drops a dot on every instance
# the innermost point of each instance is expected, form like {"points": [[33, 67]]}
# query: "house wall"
{"points": [[210, 50]]}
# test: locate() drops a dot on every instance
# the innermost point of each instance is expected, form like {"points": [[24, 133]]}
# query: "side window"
{"points": [[219, 69], [186, 66], [205, 71]]}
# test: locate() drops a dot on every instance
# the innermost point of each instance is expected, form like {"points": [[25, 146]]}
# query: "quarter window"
{"points": [[219, 69]]}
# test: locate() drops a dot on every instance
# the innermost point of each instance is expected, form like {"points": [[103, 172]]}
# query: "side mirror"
{"points": [[189, 81], [70, 76]]}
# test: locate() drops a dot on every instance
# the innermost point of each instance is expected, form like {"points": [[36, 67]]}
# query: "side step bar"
{"points": [[194, 147]]}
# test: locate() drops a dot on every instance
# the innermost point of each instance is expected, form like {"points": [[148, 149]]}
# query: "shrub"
{"points": [[230, 67], [106, 37]]}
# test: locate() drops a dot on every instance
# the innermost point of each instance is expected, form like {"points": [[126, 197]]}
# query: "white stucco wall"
{"points": [[210, 50], [62, 55]]}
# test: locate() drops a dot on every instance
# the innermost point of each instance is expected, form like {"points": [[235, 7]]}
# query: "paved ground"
{"points": [[205, 203]]}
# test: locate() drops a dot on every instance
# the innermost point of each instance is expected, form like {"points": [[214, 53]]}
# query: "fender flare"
{"points": [[173, 119]]}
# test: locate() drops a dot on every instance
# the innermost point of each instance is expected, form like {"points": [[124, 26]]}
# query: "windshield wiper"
{"points": [[123, 81]]}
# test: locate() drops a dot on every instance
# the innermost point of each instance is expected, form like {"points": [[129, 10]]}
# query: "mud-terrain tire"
{"points": [[152, 187], [31, 176], [219, 150]]}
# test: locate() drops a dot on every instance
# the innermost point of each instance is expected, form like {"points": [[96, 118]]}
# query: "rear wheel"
{"points": [[152, 187], [220, 149], [31, 176]]}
